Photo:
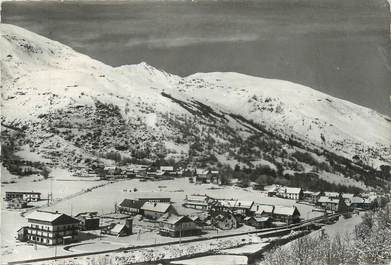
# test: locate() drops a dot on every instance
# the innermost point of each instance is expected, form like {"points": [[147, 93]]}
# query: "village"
{"points": [[202, 210]]}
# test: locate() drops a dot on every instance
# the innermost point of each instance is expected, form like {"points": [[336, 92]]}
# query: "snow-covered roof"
{"points": [[262, 219], [44, 216], [173, 218], [201, 171], [51, 217], [293, 190], [357, 200], [196, 198], [160, 207], [236, 204], [323, 199], [167, 168], [347, 195], [331, 194], [117, 228], [259, 208], [284, 210]]}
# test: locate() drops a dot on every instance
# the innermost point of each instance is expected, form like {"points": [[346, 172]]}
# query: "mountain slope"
{"points": [[67, 101]]}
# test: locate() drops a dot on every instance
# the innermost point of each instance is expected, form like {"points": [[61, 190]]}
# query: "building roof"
{"points": [[52, 217], [262, 219], [285, 210], [347, 195], [118, 228], [196, 198], [24, 192], [201, 171], [174, 219], [259, 208], [323, 199], [331, 194], [237, 204], [160, 207], [356, 200], [167, 168], [292, 190], [129, 203]]}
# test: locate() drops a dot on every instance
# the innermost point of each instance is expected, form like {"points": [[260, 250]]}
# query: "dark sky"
{"points": [[340, 47]]}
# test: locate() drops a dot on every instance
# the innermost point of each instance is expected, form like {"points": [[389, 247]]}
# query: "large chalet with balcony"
{"points": [[50, 228]]}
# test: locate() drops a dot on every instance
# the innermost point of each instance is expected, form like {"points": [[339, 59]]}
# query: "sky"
{"points": [[340, 47]]}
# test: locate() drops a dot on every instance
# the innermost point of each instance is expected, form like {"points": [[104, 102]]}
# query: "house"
{"points": [[286, 214], [120, 230], [88, 220], [262, 210], [51, 228], [130, 206], [290, 193], [154, 210], [258, 222], [312, 197], [175, 225], [17, 203], [333, 204], [202, 175], [196, 201], [24, 195]]}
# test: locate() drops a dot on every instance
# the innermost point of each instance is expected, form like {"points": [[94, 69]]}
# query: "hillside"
{"points": [[73, 110]]}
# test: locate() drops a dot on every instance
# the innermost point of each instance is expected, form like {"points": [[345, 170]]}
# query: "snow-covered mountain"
{"points": [[47, 84]]}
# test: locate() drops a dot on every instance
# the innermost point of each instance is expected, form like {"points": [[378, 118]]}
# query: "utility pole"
{"points": [[180, 233]]}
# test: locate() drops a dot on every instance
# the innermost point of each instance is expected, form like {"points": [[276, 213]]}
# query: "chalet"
{"points": [[154, 210], [51, 228], [130, 206], [24, 195], [196, 201], [88, 220], [258, 222], [17, 203], [290, 193], [202, 175], [333, 204], [175, 225], [286, 214], [206, 176], [312, 197], [120, 230]]}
